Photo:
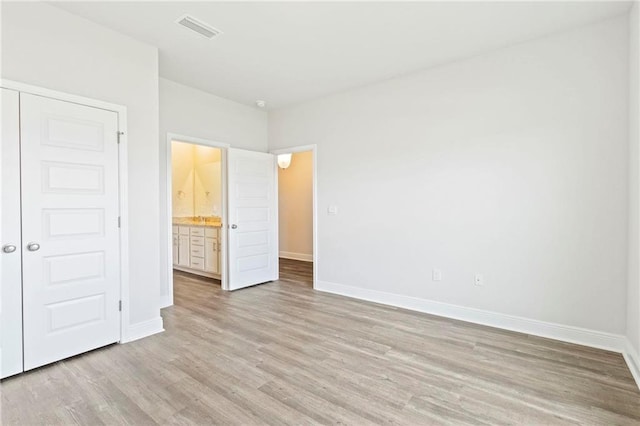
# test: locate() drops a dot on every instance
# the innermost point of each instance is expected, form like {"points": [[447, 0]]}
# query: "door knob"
{"points": [[8, 248], [234, 226], [33, 246]]}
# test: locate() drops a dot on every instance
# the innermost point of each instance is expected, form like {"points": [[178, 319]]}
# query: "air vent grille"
{"points": [[198, 26]]}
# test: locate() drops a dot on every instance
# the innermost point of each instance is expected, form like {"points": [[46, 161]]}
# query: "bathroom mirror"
{"points": [[196, 180]]}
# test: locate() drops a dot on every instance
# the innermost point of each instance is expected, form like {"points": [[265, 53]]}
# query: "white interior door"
{"points": [[253, 218], [70, 239], [10, 253]]}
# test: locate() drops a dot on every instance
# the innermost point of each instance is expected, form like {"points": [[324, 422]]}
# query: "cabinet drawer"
{"points": [[211, 232], [197, 263], [197, 241], [183, 230], [198, 232], [197, 251]]}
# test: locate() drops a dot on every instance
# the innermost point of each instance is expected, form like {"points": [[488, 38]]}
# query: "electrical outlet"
{"points": [[436, 275], [479, 279]]}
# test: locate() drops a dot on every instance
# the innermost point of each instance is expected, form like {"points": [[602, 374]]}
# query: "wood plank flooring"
{"points": [[281, 353]]}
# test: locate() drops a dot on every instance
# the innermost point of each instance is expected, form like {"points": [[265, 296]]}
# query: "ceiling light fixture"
{"points": [[261, 104], [284, 160], [198, 27]]}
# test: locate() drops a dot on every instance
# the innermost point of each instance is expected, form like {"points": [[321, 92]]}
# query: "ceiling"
{"points": [[288, 52]]}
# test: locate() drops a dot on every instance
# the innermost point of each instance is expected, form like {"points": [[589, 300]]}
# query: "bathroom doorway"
{"points": [[196, 205]]}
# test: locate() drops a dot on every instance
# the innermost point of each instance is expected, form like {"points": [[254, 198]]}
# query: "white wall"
{"points": [[45, 46], [192, 112], [512, 164], [295, 207], [633, 296]]}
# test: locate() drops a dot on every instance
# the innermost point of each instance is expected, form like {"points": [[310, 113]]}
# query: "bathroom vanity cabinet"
{"points": [[196, 249]]}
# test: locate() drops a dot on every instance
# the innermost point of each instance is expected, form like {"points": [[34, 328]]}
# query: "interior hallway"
{"points": [[282, 353]]}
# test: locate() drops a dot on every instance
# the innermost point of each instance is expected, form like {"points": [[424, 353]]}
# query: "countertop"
{"points": [[196, 222]]}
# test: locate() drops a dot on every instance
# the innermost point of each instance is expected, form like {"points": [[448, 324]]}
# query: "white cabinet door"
{"points": [[175, 246], [253, 215], [184, 257], [211, 255], [70, 244], [10, 254]]}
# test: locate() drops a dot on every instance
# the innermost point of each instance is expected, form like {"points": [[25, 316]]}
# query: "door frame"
{"points": [[169, 207], [123, 178], [314, 153]]}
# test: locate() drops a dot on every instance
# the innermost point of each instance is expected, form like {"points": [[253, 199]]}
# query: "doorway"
{"points": [[196, 206], [297, 214], [247, 234], [196, 200]]}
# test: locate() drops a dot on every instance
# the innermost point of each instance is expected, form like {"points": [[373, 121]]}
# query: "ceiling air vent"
{"points": [[199, 27]]}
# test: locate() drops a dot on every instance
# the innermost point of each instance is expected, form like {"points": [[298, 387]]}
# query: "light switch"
{"points": [[479, 279], [333, 210]]}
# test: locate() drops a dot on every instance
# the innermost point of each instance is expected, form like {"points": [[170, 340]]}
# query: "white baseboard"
{"points": [[565, 333], [633, 361], [143, 329], [296, 256]]}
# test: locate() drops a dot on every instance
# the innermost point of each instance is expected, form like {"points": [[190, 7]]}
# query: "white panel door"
{"points": [[10, 253], [253, 215], [70, 239]]}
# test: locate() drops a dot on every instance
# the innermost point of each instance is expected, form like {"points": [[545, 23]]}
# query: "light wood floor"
{"points": [[281, 353]]}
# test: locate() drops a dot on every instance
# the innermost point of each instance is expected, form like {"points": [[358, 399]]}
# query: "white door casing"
{"points": [[253, 218], [10, 253], [71, 283]]}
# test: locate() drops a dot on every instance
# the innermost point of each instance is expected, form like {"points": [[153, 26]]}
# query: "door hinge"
{"points": [[119, 134], [120, 305], [119, 221]]}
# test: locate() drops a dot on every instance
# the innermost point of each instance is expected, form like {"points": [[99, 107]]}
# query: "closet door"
{"points": [[70, 244], [10, 253]]}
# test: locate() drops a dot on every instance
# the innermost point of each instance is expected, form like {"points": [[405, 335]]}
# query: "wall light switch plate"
{"points": [[436, 275], [332, 210]]}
